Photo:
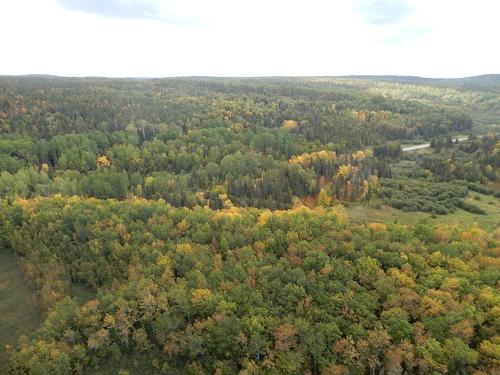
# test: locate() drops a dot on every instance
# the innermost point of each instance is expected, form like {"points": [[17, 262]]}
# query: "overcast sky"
{"points": [[159, 38]]}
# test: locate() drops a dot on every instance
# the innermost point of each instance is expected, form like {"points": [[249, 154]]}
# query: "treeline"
{"points": [[220, 166], [215, 166], [248, 291]]}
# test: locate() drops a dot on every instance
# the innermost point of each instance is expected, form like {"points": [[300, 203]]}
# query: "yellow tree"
{"points": [[323, 198], [289, 124], [103, 162], [344, 171]]}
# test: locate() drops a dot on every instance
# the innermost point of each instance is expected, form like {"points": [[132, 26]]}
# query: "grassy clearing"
{"points": [[386, 214], [19, 314]]}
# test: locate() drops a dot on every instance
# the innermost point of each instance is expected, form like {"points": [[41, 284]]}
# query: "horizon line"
{"points": [[44, 75]]}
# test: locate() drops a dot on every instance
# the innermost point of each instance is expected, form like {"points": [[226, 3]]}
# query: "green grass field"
{"points": [[18, 312], [385, 214]]}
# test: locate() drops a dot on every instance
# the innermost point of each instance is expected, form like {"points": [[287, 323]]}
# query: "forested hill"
{"points": [[204, 225], [485, 81]]}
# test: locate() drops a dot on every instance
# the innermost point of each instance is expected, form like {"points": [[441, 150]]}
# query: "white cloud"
{"points": [[384, 12], [262, 37]]}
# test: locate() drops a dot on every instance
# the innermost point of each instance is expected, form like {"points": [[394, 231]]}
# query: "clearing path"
{"points": [[426, 145]]}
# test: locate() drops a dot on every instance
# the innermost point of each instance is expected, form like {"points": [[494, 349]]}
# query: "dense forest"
{"points": [[201, 225], [211, 141]]}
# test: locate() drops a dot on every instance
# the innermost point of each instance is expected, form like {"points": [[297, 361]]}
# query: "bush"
{"points": [[471, 208]]}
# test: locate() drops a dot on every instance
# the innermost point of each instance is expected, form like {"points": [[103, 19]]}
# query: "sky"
{"points": [[166, 38]]}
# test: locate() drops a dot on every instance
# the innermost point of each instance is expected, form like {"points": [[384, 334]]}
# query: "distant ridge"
{"points": [[389, 77], [481, 81], [484, 81], [419, 78]]}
